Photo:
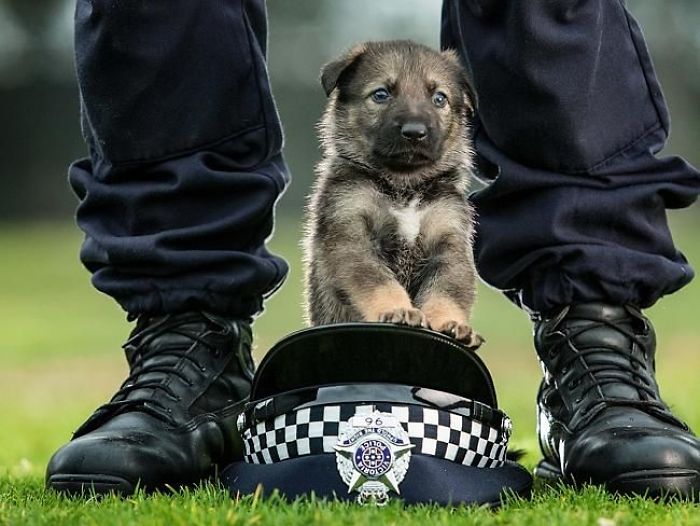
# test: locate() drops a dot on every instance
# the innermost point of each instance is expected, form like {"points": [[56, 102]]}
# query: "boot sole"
{"points": [[653, 483], [86, 485]]}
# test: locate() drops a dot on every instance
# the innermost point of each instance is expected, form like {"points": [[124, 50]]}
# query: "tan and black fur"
{"points": [[389, 228]]}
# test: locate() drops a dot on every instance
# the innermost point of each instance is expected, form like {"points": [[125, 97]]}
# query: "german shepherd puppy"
{"points": [[389, 227]]}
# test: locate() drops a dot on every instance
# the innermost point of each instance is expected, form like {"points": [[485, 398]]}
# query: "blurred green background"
{"points": [[60, 340]]}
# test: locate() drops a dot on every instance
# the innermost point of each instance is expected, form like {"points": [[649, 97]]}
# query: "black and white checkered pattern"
{"points": [[433, 432]]}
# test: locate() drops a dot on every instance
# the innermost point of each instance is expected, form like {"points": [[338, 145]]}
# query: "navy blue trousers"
{"points": [[178, 194]]}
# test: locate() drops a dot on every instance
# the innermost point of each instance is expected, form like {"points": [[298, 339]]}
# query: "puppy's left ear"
{"points": [[331, 72], [464, 81], [469, 93]]}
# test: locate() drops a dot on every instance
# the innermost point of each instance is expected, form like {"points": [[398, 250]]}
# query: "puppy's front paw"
{"points": [[462, 332], [405, 316]]}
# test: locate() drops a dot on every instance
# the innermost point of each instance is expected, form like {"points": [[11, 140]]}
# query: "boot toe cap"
{"points": [[637, 460], [104, 463]]}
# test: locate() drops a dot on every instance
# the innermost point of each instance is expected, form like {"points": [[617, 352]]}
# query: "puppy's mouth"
{"points": [[404, 161]]}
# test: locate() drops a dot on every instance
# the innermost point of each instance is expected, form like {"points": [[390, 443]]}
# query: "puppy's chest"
{"points": [[400, 238], [408, 220]]}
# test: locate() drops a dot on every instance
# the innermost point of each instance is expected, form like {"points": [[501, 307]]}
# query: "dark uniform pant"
{"points": [[185, 166]]}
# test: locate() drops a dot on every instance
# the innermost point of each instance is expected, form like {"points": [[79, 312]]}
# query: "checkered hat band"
{"points": [[433, 432]]}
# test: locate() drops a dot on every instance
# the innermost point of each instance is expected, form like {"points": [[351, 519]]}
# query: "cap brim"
{"points": [[373, 353], [429, 480]]}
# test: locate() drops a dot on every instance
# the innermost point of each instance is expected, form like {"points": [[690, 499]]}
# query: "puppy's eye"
{"points": [[439, 99], [380, 95]]}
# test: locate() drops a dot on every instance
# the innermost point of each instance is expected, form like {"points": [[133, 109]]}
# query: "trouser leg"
{"points": [[570, 117], [177, 196]]}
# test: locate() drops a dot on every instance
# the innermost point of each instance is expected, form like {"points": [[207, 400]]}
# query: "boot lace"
{"points": [[629, 371], [138, 348]]}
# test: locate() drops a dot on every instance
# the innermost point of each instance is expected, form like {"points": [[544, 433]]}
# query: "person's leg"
{"points": [[571, 117], [177, 197], [571, 112], [176, 202]]}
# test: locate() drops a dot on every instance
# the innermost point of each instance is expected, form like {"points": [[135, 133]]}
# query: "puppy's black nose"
{"points": [[414, 131]]}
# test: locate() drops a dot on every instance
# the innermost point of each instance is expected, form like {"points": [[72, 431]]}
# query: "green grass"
{"points": [[27, 502], [60, 350]]}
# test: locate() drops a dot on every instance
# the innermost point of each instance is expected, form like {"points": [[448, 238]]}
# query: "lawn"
{"points": [[60, 350]]}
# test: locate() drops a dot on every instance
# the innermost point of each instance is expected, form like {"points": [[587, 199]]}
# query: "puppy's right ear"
{"points": [[331, 72]]}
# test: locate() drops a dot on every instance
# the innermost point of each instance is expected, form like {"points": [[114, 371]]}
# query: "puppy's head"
{"points": [[399, 108]]}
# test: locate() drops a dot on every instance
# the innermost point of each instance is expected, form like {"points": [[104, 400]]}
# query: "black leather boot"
{"points": [[173, 421], [601, 419]]}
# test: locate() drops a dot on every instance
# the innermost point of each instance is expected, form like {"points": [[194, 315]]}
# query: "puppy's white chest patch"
{"points": [[409, 220]]}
